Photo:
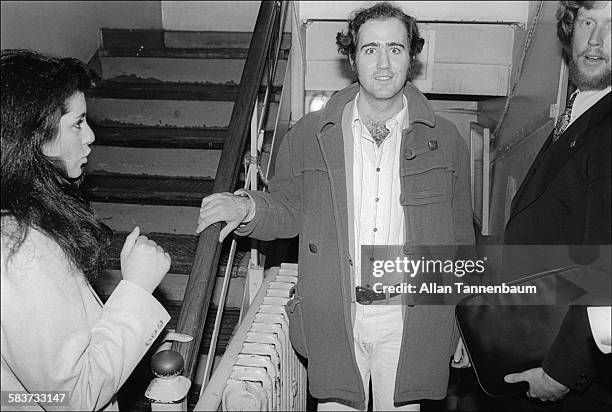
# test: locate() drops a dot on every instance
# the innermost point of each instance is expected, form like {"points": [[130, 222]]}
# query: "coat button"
{"points": [[312, 247]]}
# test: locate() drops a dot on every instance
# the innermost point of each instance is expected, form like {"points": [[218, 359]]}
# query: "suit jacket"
{"points": [[565, 197], [565, 200], [57, 336]]}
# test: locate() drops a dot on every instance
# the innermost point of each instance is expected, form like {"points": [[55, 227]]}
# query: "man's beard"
{"points": [[583, 82]]}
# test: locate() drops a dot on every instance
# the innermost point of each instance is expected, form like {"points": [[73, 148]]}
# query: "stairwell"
{"points": [[160, 112]]}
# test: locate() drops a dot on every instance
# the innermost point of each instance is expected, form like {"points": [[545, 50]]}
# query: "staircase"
{"points": [[160, 112]]}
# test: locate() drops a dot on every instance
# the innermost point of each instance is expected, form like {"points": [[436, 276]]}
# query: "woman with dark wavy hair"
{"points": [[56, 333]]}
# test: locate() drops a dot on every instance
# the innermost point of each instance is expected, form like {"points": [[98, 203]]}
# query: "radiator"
{"points": [[267, 375]]}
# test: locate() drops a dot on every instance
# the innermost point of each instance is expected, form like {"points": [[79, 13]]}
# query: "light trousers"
{"points": [[378, 338]]}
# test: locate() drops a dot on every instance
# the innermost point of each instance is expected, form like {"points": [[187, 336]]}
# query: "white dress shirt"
{"points": [[584, 100], [379, 216], [599, 320]]}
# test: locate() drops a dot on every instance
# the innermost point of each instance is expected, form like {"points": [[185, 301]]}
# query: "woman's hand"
{"points": [[143, 262]]}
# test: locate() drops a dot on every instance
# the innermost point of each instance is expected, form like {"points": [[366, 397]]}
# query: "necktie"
{"points": [[564, 119]]}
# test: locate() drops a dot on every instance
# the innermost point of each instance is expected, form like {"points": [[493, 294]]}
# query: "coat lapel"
{"points": [[553, 156], [332, 147], [331, 143], [329, 136]]}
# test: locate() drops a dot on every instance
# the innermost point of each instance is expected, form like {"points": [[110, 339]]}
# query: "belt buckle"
{"points": [[363, 295]]}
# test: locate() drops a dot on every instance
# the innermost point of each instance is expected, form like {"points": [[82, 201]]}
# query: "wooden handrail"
{"points": [[199, 289]]}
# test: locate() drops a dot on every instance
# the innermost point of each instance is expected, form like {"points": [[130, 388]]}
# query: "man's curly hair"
{"points": [[347, 40], [566, 15]]}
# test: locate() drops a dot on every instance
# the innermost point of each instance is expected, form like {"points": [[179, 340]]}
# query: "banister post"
{"points": [[169, 388]]}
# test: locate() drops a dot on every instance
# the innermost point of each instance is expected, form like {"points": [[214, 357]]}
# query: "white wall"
{"points": [[489, 11], [213, 15], [71, 28], [210, 15]]}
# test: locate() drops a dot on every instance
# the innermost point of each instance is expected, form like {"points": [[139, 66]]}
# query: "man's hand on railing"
{"points": [[233, 209]]}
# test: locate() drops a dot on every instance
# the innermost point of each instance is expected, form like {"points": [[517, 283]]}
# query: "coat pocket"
{"points": [[296, 325], [427, 183], [424, 198], [428, 215]]}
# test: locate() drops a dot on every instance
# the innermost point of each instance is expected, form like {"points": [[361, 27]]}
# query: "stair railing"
{"points": [[253, 173], [253, 170], [210, 398], [201, 281]]}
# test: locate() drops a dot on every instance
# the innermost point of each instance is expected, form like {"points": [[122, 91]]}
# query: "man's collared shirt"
{"points": [[585, 99], [379, 216]]}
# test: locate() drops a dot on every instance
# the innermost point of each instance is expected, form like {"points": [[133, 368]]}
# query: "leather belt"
{"points": [[366, 296]]}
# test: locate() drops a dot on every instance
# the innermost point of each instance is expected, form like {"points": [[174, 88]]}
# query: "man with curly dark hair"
{"points": [[375, 166], [565, 200]]}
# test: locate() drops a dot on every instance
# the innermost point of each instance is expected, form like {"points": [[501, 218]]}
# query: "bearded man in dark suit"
{"points": [[565, 200]]}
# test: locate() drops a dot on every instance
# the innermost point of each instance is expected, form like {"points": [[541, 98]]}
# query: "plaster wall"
{"points": [[71, 28], [212, 15], [472, 11]]}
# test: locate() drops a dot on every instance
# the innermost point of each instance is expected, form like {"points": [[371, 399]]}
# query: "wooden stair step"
{"points": [[178, 70], [213, 39], [174, 53], [229, 320], [228, 323], [160, 39], [205, 39], [163, 137], [170, 91], [150, 218], [137, 161], [150, 190], [160, 137], [181, 249], [210, 71], [159, 113], [132, 38]]}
